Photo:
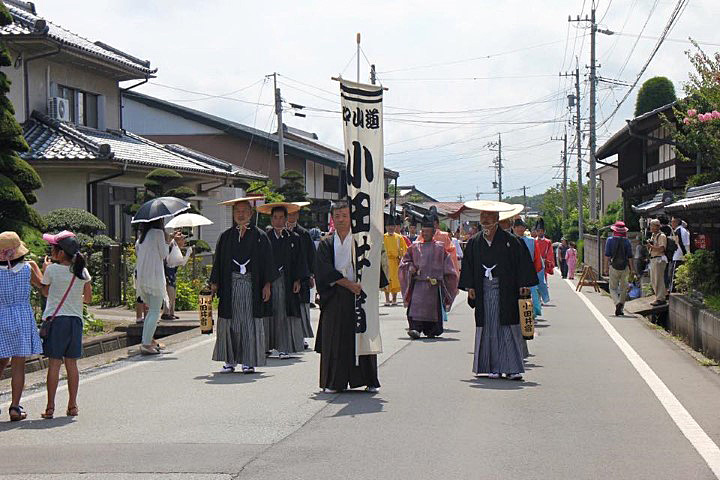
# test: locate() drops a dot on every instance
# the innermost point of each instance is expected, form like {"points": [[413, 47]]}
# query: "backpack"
{"points": [[670, 247], [619, 261]]}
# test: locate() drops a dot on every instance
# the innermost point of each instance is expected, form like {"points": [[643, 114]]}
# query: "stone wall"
{"points": [[698, 326]]}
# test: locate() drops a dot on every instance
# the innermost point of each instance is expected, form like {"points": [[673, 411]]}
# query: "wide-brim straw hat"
{"points": [[489, 206], [268, 207], [252, 199], [11, 247], [619, 227], [301, 204], [517, 210]]}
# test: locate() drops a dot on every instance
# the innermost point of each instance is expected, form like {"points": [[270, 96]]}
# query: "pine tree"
{"points": [[17, 178]]}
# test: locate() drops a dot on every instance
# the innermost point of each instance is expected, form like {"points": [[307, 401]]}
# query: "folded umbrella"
{"points": [[188, 220], [158, 208]]}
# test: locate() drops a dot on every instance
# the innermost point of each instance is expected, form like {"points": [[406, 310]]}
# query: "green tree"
{"points": [[17, 178], [162, 182], [654, 93], [267, 188], [551, 211], [294, 188]]}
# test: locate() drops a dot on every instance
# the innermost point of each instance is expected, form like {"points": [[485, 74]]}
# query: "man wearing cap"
{"points": [[429, 284], [308, 248], [395, 247], [496, 272], [548, 260], [619, 253], [242, 275], [337, 286], [519, 228], [283, 330], [658, 262], [444, 238]]}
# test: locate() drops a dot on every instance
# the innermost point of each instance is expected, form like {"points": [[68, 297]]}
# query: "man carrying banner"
{"points": [[242, 274], [496, 272], [395, 247], [338, 287], [429, 284], [308, 249], [283, 330]]}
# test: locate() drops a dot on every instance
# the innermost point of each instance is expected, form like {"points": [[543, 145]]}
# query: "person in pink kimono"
{"points": [[571, 259]]}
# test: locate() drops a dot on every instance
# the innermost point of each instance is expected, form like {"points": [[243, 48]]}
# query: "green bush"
{"points": [[76, 220], [713, 302], [701, 273], [186, 297]]}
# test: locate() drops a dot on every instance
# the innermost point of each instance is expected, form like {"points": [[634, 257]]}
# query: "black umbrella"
{"points": [[160, 208]]}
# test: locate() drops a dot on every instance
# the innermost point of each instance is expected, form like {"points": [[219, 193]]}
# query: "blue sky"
{"points": [[458, 72]]}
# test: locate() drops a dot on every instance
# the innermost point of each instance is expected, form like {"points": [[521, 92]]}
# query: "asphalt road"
{"points": [[583, 412]]}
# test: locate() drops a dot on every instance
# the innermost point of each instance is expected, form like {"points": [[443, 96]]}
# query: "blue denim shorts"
{"points": [[65, 338]]}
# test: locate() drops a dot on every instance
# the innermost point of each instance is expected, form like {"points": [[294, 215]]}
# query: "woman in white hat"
{"points": [[19, 337]]}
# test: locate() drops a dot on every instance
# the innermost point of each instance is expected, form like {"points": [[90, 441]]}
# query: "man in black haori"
{"points": [[307, 247], [283, 329], [496, 272], [242, 274], [337, 286]]}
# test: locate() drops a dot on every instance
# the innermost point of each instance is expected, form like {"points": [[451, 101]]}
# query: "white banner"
{"points": [[362, 117]]}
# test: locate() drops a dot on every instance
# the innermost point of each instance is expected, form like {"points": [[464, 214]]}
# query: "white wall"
{"points": [[16, 95], [610, 191], [61, 189], [145, 120]]}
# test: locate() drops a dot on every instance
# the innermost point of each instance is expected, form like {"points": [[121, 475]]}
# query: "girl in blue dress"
{"points": [[19, 337]]}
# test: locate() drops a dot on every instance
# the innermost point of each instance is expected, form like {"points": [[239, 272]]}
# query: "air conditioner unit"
{"points": [[59, 109]]}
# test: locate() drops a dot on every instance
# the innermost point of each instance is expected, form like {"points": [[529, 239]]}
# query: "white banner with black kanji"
{"points": [[362, 116]]}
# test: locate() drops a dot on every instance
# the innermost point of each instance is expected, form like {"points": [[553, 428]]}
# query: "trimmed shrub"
{"points": [[76, 220]]}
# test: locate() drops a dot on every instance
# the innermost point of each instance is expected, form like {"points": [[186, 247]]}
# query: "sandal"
{"points": [[17, 413], [72, 411], [49, 413]]}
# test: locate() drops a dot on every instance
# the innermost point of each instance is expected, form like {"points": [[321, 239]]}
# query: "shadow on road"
{"points": [[217, 378], [499, 383], [430, 340], [36, 424], [357, 402]]}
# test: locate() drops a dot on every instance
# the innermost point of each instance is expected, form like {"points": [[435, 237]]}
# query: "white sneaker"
{"points": [[248, 369], [515, 376], [283, 356], [372, 389], [227, 369], [493, 375]]}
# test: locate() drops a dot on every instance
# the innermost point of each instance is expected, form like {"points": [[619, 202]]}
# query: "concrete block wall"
{"points": [[698, 326]]}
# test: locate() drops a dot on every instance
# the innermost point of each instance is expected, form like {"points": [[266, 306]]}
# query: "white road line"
{"points": [[134, 364], [700, 440]]}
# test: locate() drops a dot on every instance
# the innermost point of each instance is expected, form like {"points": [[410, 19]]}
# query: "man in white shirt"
{"points": [[682, 240]]}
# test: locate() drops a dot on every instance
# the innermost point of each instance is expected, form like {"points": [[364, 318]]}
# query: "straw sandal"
{"points": [[72, 411], [49, 413]]}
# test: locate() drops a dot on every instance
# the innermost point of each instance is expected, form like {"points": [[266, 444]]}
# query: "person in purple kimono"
{"points": [[429, 283]]}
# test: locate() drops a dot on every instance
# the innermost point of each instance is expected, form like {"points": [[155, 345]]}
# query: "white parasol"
{"points": [[188, 220]]}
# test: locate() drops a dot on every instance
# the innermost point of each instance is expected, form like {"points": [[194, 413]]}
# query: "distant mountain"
{"points": [[533, 202]]}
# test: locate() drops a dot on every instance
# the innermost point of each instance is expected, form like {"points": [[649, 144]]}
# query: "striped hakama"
{"points": [[305, 320], [241, 339], [283, 333], [498, 348]]}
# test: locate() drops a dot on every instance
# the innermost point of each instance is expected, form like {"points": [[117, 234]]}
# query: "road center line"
{"points": [[700, 440]]}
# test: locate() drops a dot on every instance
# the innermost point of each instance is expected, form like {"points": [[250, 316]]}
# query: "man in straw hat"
{"points": [[619, 253], [658, 261], [283, 329], [242, 275], [308, 248], [429, 284], [337, 286], [507, 218], [496, 271]]}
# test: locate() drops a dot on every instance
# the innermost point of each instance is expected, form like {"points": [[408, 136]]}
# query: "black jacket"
{"points": [[308, 248], [514, 270], [263, 270], [288, 254]]}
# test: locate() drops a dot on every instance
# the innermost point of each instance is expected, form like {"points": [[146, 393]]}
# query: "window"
{"points": [[83, 106], [331, 183]]}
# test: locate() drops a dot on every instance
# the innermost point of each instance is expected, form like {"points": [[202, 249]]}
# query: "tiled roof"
{"points": [[698, 198], [317, 151], [53, 140], [28, 24]]}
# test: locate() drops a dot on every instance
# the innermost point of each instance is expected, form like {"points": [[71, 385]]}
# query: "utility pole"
{"points": [[498, 164], [563, 159], [358, 57], [281, 140], [574, 100], [524, 195]]}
